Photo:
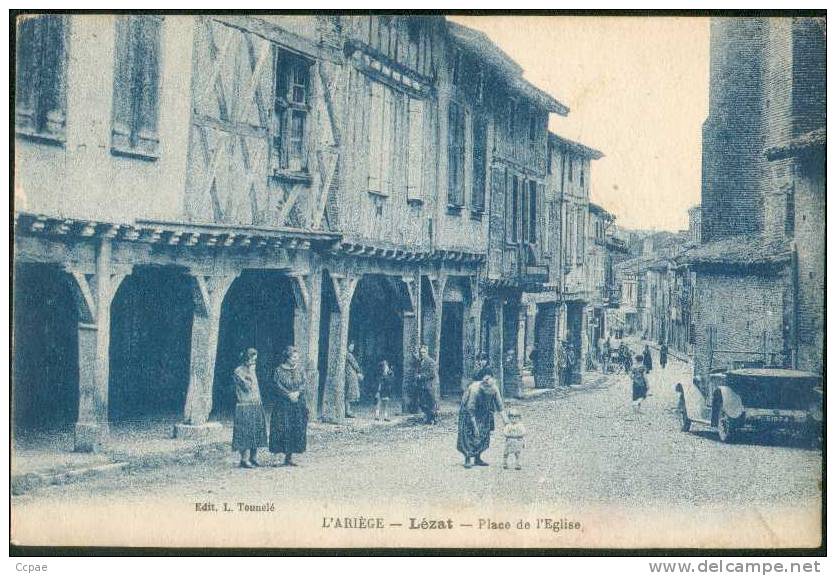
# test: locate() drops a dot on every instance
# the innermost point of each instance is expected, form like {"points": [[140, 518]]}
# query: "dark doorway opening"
{"points": [[45, 365], [257, 312], [451, 357], [376, 328], [150, 345], [574, 337]]}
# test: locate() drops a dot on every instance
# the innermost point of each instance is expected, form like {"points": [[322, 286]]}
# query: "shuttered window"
{"points": [[524, 214], [456, 155], [532, 212], [514, 212], [415, 151], [291, 106], [136, 85], [381, 139], [480, 153], [40, 83]]}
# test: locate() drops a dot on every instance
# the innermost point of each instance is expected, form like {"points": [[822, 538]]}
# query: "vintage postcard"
{"points": [[414, 280]]}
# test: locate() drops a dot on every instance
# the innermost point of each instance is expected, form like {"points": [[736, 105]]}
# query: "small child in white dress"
{"points": [[514, 438]]}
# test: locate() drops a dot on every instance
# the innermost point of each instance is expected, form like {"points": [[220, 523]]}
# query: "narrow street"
{"points": [[586, 450]]}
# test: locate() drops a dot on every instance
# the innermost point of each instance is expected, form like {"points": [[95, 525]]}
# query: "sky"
{"points": [[637, 90]]}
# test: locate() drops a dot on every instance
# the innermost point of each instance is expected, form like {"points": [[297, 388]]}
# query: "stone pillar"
{"points": [[410, 346], [547, 341], [208, 293], [94, 295], [434, 330], [514, 341], [333, 398], [411, 339], [497, 346], [522, 319], [307, 296], [472, 338]]}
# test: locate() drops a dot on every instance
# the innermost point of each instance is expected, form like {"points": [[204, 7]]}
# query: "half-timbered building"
{"points": [[189, 186]]}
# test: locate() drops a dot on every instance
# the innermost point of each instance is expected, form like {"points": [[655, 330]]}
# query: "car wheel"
{"points": [[725, 428], [684, 421]]}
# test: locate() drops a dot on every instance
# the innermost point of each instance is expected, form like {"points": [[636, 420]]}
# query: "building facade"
{"points": [[190, 186], [759, 286]]}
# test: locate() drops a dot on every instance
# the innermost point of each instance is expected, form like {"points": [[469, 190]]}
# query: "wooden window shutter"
{"points": [[388, 140], [375, 137], [479, 162], [136, 85], [40, 91], [543, 218], [510, 221], [453, 155], [28, 55], [466, 156], [415, 151], [525, 197]]}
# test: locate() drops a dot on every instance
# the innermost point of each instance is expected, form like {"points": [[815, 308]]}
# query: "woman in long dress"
{"points": [[289, 420], [249, 430], [353, 377], [476, 419]]}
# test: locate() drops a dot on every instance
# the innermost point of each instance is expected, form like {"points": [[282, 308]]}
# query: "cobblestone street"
{"points": [[585, 447]]}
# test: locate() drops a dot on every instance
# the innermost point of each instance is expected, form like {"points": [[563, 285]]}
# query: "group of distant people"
{"points": [[480, 401], [289, 416], [640, 371], [288, 389]]}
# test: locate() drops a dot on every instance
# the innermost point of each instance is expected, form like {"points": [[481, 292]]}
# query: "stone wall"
{"points": [[744, 310]]}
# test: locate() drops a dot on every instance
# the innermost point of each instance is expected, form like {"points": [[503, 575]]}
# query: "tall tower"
{"points": [[733, 140]]}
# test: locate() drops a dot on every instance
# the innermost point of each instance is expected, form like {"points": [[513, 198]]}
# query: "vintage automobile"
{"points": [[755, 399]]}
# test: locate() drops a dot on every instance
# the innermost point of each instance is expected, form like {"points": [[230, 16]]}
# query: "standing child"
{"points": [[385, 375], [514, 438]]}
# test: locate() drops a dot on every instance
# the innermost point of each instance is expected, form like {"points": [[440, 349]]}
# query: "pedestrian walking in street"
{"points": [[663, 356], [647, 359], [638, 377], [289, 419], [562, 375], [426, 383], [476, 419], [353, 377], [571, 361], [249, 428], [383, 390], [626, 358], [514, 439]]}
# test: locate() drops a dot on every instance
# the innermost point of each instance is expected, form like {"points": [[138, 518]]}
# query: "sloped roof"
{"points": [[635, 265], [598, 209], [480, 44], [575, 147], [743, 250]]}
